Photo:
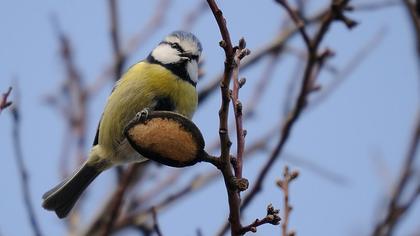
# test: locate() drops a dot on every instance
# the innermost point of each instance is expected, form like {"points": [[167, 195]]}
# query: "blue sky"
{"points": [[360, 132]]}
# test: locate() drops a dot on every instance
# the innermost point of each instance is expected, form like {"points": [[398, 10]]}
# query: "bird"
{"points": [[164, 81]]}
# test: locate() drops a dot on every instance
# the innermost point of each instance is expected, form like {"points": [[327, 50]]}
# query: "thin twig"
{"points": [[298, 22], [240, 53], [155, 222], [415, 20], [4, 103], [119, 56], [23, 173], [272, 218], [283, 184]]}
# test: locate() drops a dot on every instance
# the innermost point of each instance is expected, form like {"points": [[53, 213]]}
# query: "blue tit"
{"points": [[166, 81]]}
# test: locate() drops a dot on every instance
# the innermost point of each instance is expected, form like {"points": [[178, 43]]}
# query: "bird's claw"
{"points": [[142, 115]]}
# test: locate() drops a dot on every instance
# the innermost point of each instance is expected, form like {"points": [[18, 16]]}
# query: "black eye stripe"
{"points": [[180, 49], [175, 45]]}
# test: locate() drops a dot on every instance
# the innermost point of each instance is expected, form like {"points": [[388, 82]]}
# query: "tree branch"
{"points": [[4, 103], [23, 173], [155, 222], [272, 218], [288, 177], [119, 56], [225, 160], [240, 53]]}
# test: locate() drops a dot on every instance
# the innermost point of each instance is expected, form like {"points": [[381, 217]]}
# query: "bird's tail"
{"points": [[62, 197]]}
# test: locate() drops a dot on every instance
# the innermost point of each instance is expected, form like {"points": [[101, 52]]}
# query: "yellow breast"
{"points": [[140, 88]]}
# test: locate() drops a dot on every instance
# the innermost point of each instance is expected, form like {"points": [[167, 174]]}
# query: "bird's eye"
{"points": [[176, 46]]}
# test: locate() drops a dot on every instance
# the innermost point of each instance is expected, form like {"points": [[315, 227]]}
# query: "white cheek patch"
{"points": [[192, 69], [165, 54]]}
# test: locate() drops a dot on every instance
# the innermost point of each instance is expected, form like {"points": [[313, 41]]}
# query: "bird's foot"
{"points": [[142, 115]]}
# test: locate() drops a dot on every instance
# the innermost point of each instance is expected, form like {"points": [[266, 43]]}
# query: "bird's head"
{"points": [[179, 52]]}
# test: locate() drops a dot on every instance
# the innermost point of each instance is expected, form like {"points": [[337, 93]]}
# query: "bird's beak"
{"points": [[186, 56], [189, 56]]}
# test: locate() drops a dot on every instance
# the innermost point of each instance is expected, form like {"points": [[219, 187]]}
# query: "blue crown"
{"points": [[183, 35]]}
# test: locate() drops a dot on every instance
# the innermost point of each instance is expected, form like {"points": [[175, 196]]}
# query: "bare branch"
{"points": [[272, 218], [415, 20], [240, 53], [119, 56], [23, 173], [4, 103], [155, 222], [288, 177], [298, 21]]}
